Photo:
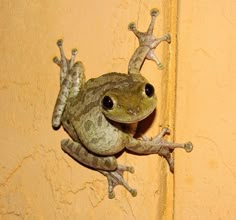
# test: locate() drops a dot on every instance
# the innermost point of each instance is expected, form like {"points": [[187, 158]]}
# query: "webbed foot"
{"points": [[115, 178], [64, 63], [147, 44], [167, 147]]}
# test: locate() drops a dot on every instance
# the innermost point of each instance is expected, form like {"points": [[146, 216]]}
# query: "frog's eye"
{"points": [[107, 103], [149, 90]]}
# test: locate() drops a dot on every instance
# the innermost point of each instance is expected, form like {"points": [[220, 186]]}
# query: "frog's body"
{"points": [[84, 119], [101, 115]]}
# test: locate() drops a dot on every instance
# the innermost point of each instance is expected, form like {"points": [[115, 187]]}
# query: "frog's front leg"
{"points": [[159, 146], [107, 165], [72, 79]]}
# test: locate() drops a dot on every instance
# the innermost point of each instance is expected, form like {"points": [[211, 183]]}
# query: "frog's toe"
{"points": [[59, 42], [166, 130], [132, 26], [56, 60], [160, 66], [74, 51], [168, 38], [111, 195], [122, 168], [188, 147], [154, 12], [171, 164], [130, 169], [134, 192]]}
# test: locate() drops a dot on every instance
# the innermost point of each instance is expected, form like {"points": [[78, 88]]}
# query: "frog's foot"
{"points": [[147, 44], [145, 38], [168, 147], [188, 146], [64, 63], [116, 178]]}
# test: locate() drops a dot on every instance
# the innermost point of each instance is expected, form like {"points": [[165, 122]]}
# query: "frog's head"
{"points": [[129, 103]]}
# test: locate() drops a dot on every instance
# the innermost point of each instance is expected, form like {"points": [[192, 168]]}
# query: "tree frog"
{"points": [[101, 115]]}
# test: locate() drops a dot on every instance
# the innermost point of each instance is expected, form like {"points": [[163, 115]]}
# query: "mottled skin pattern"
{"points": [[102, 114]]}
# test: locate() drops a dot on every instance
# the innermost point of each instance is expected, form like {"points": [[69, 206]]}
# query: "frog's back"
{"points": [[89, 96], [95, 87]]}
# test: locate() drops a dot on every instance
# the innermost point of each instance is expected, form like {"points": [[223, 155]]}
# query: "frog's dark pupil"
{"points": [[107, 103], [149, 90]]}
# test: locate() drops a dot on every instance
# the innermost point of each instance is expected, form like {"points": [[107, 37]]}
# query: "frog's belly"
{"points": [[99, 136]]}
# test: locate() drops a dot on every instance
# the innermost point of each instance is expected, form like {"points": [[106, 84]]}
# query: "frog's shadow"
{"points": [[145, 124], [142, 128]]}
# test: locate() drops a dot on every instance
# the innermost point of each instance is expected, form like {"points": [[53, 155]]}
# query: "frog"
{"points": [[101, 115]]}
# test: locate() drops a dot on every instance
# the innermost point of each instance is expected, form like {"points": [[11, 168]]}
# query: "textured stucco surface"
{"points": [[39, 181], [205, 181]]}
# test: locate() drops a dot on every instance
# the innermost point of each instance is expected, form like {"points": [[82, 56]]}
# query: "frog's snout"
{"points": [[132, 111]]}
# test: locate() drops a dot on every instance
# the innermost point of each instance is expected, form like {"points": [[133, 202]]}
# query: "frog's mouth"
{"points": [[129, 116]]}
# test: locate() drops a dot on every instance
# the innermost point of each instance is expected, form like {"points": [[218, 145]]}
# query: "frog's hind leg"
{"points": [[77, 151], [71, 79], [107, 165]]}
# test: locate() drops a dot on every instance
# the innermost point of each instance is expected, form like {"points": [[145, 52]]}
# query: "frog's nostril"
{"points": [[131, 112]]}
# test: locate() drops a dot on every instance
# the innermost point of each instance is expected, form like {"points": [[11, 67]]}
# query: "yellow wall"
{"points": [[205, 180], [39, 181]]}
